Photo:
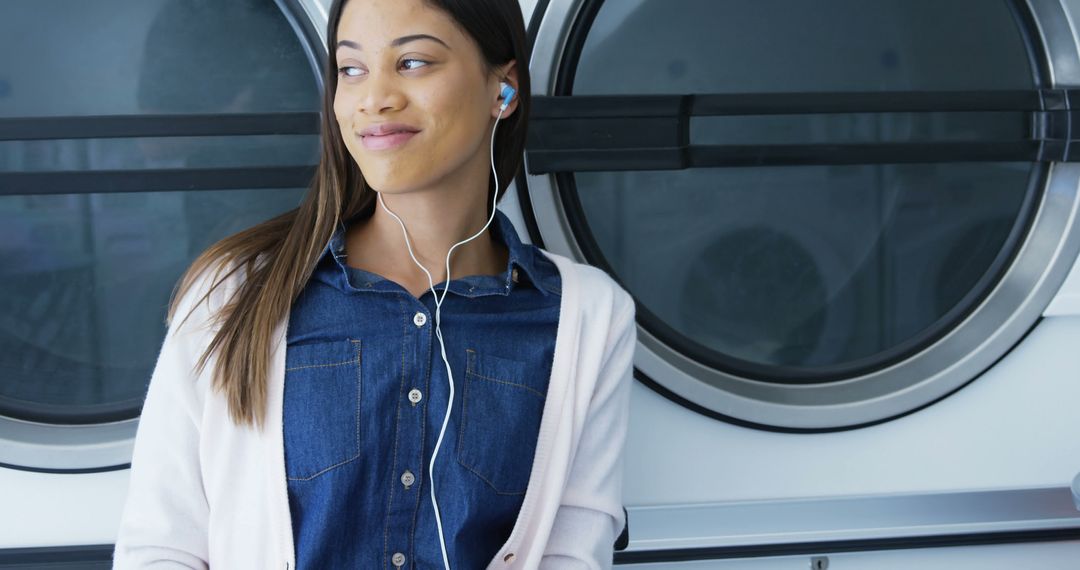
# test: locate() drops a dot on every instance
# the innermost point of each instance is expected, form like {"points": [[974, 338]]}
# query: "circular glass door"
{"points": [[133, 134], [830, 213]]}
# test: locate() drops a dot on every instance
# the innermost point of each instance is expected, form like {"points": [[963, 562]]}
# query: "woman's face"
{"points": [[386, 74]]}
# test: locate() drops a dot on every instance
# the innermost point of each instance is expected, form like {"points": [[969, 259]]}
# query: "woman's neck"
{"points": [[377, 244]]}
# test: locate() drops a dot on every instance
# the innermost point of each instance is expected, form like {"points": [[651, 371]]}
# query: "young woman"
{"points": [[387, 377]]}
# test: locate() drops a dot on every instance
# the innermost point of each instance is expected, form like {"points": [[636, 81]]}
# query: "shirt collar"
{"points": [[521, 267]]}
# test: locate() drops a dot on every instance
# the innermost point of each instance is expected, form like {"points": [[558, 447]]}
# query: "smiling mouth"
{"points": [[387, 141], [390, 134]]}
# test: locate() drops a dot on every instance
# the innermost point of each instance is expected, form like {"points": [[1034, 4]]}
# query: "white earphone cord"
{"points": [[438, 332]]}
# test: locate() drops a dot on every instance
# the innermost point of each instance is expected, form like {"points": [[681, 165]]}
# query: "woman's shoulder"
{"points": [[593, 286]]}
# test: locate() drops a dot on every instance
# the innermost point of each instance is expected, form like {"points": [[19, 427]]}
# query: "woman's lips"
{"points": [[373, 142]]}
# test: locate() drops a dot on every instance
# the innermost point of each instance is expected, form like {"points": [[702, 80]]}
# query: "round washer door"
{"points": [[830, 214], [133, 134]]}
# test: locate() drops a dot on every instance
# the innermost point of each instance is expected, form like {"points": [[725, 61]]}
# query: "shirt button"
{"points": [[415, 396], [508, 558], [514, 275], [407, 478], [419, 319], [398, 559]]}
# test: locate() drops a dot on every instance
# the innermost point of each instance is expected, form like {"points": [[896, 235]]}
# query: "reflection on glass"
{"points": [[803, 266], [123, 57], [807, 267], [85, 280], [790, 46]]}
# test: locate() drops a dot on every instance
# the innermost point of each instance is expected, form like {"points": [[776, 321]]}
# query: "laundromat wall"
{"points": [[849, 227]]}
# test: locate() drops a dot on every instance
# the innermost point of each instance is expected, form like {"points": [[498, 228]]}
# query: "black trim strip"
{"points": [[709, 156], [839, 546], [638, 132], [127, 126], [89, 557], [1029, 34], [69, 471], [722, 104], [165, 180]]}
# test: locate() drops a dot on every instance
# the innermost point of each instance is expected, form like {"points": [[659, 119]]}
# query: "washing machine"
{"points": [[849, 227], [132, 136], [849, 230]]}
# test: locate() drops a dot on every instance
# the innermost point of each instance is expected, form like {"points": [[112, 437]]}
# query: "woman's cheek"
{"points": [[342, 103]]}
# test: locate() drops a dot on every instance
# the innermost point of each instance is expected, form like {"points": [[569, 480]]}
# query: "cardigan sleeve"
{"points": [[165, 515], [590, 514]]}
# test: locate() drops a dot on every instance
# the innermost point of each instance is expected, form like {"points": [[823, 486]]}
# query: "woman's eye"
{"points": [[351, 71]]}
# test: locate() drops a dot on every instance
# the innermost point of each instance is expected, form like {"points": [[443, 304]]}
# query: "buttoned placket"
{"points": [[407, 458]]}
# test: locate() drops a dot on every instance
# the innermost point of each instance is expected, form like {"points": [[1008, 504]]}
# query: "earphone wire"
{"points": [[438, 331]]}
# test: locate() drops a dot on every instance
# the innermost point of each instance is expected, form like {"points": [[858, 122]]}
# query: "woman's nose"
{"points": [[380, 92]]}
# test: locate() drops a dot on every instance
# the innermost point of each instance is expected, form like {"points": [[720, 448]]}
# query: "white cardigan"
{"points": [[206, 493]]}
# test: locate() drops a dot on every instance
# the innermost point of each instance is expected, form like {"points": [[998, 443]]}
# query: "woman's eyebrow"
{"points": [[395, 43]]}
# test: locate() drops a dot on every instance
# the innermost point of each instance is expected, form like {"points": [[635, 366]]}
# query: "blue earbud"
{"points": [[507, 94]]}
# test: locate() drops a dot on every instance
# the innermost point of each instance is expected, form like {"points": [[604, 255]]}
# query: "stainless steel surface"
{"points": [[773, 522]]}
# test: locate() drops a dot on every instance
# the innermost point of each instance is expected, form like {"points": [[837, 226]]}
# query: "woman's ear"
{"points": [[508, 75]]}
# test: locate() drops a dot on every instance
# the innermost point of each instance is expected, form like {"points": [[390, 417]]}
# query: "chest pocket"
{"points": [[321, 409], [500, 422]]}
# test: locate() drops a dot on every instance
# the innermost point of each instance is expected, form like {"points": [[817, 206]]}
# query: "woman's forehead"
{"points": [[375, 24]]}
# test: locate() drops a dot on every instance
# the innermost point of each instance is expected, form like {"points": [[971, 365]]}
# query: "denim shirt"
{"points": [[366, 390]]}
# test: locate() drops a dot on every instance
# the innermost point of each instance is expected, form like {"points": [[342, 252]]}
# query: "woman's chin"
{"points": [[388, 185]]}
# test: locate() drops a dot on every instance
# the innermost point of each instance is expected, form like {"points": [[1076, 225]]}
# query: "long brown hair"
{"points": [[279, 255]]}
